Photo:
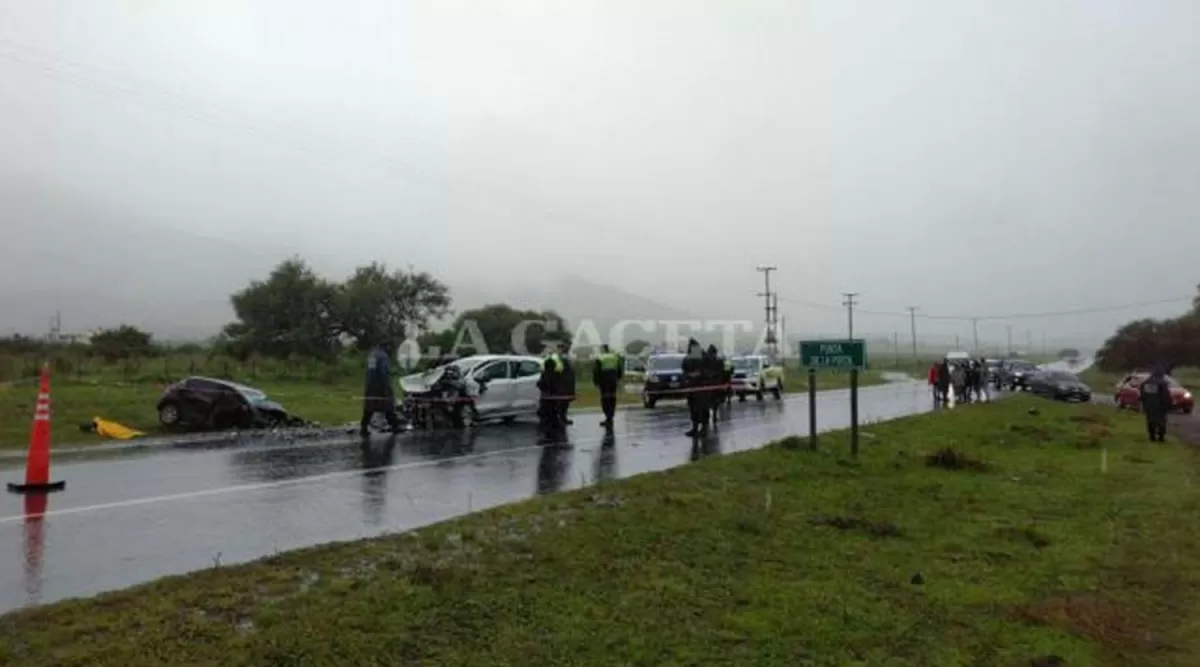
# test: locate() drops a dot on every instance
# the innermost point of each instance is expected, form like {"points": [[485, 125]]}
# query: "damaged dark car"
{"points": [[201, 403]]}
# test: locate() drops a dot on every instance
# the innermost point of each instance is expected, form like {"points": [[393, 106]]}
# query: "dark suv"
{"points": [[200, 403], [1015, 374], [664, 379]]}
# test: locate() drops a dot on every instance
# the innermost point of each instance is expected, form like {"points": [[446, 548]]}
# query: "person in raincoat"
{"points": [[550, 386], [607, 371], [568, 386], [693, 380], [1155, 396], [714, 373], [958, 379], [943, 381], [378, 395], [934, 374]]}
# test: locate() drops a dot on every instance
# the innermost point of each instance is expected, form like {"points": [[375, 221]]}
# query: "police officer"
{"points": [[550, 387], [693, 378], [568, 387], [606, 375], [378, 395], [1156, 403]]}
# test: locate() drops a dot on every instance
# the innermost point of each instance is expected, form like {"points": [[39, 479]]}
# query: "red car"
{"points": [[1129, 396]]}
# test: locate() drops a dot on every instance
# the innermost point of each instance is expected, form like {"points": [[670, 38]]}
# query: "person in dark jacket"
{"points": [[693, 379], [943, 381], [1155, 394], [550, 385], [607, 371], [378, 395], [568, 387], [728, 376], [713, 377]]}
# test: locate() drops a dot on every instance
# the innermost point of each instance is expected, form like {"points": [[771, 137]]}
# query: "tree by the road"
{"points": [[123, 342], [376, 305], [295, 312], [500, 329], [637, 348], [1144, 343], [289, 313]]}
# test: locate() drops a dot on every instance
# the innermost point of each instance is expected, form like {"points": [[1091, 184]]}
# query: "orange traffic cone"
{"points": [[37, 463]]}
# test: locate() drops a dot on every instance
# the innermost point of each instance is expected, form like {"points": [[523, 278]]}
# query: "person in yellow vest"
{"points": [[550, 385], [606, 375]]}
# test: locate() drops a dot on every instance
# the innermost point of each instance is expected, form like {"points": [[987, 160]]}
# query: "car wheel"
{"points": [[741, 397], [168, 414], [648, 402]]}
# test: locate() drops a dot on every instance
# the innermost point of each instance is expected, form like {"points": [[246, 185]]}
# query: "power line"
{"points": [[1011, 316]]}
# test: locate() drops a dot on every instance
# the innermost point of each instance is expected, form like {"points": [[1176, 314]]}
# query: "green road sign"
{"points": [[842, 354]]}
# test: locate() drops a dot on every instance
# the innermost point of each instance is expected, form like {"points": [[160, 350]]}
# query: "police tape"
{"points": [[565, 397], [163, 387]]}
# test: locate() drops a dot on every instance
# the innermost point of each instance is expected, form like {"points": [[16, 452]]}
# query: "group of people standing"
{"points": [[967, 377], [707, 377]]}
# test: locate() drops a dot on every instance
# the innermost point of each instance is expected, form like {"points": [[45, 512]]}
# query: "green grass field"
{"points": [[987, 535], [332, 399]]}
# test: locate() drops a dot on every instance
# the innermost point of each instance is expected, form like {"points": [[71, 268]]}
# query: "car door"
{"points": [[1130, 394], [498, 395], [525, 389], [196, 399]]}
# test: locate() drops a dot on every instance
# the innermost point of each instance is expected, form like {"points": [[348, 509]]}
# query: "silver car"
{"points": [[509, 384]]}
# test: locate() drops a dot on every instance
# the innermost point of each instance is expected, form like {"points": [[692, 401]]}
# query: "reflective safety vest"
{"points": [[728, 364], [556, 363], [610, 361]]}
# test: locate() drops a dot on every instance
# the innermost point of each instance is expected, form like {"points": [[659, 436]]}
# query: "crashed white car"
{"points": [[510, 383]]}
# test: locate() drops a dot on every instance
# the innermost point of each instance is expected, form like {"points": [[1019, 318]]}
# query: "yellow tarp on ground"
{"points": [[110, 429]]}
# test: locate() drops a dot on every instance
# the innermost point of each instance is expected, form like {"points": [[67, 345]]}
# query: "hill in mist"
{"points": [[100, 269]]}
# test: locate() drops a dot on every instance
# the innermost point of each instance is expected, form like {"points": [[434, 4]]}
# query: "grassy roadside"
{"points": [[1027, 547], [78, 401]]}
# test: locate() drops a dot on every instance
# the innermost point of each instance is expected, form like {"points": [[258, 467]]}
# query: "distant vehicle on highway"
{"points": [[664, 379], [1058, 385], [1129, 396], [756, 374], [203, 402], [1015, 372]]}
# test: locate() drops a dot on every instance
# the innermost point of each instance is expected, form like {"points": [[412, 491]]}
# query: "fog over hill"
{"points": [[176, 284]]}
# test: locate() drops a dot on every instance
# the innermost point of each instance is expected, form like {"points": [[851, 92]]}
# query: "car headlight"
{"points": [[1187, 395]]}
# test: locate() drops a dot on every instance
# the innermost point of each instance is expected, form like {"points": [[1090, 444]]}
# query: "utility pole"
{"points": [[912, 319], [1009, 339], [772, 303], [896, 348], [849, 304], [975, 329]]}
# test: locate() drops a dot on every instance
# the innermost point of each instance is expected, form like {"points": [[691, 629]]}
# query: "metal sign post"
{"points": [[837, 354]]}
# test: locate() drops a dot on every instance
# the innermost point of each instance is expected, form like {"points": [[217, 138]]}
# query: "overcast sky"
{"points": [[966, 156]]}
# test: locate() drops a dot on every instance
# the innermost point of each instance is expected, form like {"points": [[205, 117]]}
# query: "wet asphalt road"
{"points": [[127, 518]]}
